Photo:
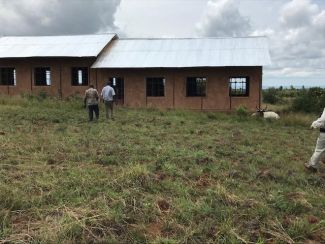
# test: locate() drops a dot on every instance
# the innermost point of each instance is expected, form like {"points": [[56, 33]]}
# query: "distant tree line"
{"points": [[309, 100]]}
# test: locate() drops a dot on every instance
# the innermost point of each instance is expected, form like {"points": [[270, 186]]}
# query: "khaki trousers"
{"points": [[109, 109], [319, 153]]}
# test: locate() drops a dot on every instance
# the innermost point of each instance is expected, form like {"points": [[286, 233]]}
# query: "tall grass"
{"points": [[155, 176]]}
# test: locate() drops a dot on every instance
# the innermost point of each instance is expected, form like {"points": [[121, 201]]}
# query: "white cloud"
{"points": [[298, 13], [296, 28], [298, 45], [266, 32], [296, 36], [223, 19], [319, 23], [158, 18], [39, 17]]}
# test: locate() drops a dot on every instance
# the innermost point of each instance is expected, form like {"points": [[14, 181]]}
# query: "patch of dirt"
{"points": [[236, 135], [296, 195], [154, 230], [19, 175], [266, 174], [288, 220], [312, 219], [204, 160], [159, 176], [234, 174], [58, 158], [203, 181], [299, 198], [253, 227], [212, 232], [250, 203], [318, 237], [51, 161], [291, 173], [163, 205], [311, 242], [9, 167], [24, 228]]}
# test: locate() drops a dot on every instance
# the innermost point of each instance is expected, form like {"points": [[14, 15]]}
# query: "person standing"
{"points": [[319, 153], [108, 95], [91, 100]]}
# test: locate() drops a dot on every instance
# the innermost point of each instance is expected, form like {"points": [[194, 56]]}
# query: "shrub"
{"points": [[28, 96], [211, 116], [42, 95], [271, 96], [310, 100], [241, 111]]}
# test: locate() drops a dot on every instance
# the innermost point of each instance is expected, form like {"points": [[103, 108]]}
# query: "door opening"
{"points": [[118, 85]]}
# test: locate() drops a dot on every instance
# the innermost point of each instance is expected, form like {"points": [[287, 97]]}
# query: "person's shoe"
{"points": [[310, 168]]}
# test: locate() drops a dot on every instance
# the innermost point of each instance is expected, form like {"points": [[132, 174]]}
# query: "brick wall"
{"points": [[217, 96], [60, 75]]}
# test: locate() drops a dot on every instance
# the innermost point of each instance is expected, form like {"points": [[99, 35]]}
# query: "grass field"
{"points": [[154, 176]]}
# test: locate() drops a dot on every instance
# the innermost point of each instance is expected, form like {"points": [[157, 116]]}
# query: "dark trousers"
{"points": [[93, 109]]}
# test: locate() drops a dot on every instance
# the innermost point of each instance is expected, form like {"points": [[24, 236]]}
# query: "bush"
{"points": [[310, 100], [241, 111], [271, 95], [42, 95]]}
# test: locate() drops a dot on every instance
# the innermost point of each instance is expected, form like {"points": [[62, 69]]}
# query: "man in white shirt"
{"points": [[108, 95], [319, 153]]}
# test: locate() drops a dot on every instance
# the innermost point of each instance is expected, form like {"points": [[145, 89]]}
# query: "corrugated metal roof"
{"points": [[53, 46], [198, 52]]}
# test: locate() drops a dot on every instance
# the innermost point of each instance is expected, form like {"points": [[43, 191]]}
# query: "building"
{"points": [[191, 73], [57, 65]]}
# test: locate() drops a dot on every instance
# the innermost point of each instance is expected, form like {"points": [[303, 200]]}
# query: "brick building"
{"points": [[191, 73]]}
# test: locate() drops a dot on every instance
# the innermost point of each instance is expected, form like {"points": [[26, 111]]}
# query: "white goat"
{"points": [[266, 114]]}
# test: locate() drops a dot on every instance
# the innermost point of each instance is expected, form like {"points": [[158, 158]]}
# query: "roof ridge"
{"points": [[189, 38], [97, 34]]}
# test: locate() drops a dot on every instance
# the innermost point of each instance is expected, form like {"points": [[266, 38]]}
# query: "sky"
{"points": [[295, 28]]}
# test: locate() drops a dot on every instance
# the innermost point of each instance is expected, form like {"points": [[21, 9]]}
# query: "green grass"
{"points": [[155, 176]]}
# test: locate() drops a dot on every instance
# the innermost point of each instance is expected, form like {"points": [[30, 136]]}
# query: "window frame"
{"points": [[155, 92], [14, 76], [202, 93], [42, 68], [247, 86], [76, 75]]}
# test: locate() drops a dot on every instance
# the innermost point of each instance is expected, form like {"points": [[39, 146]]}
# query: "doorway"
{"points": [[118, 85]]}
